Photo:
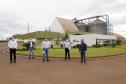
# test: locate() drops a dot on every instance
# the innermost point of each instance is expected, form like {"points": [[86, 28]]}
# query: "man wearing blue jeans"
{"points": [[31, 47], [45, 47], [82, 49]]}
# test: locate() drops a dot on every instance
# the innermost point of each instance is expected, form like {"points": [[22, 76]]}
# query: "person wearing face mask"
{"points": [[83, 49], [45, 48], [67, 47], [12, 44], [31, 47]]}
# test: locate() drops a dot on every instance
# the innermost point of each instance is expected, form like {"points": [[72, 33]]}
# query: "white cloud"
{"points": [[15, 14]]}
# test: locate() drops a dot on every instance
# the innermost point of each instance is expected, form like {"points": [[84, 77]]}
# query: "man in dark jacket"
{"points": [[82, 49], [31, 47]]}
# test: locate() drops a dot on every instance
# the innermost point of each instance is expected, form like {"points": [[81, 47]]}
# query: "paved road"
{"points": [[106, 70]]}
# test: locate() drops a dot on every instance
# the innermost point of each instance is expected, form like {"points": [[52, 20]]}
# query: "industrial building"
{"points": [[98, 27], [92, 39], [95, 25], [62, 25]]}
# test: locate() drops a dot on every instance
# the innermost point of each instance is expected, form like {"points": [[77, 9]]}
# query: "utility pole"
{"points": [[28, 31], [28, 27]]}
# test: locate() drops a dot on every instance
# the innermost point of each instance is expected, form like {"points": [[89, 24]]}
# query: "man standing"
{"points": [[82, 49], [45, 47], [12, 44], [31, 47], [67, 49]]}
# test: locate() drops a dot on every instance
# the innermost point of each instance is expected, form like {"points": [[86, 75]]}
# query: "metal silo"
{"points": [[82, 27], [98, 26]]}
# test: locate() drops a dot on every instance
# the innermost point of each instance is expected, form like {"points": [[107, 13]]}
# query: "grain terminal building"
{"points": [[97, 26]]}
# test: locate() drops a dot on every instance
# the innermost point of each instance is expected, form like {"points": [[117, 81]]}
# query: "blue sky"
{"points": [[15, 14]]}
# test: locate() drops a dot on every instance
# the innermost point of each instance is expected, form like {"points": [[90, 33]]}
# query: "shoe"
{"points": [[48, 60], [14, 61]]}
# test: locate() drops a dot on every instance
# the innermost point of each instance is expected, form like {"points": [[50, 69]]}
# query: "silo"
{"points": [[82, 27], [98, 26]]}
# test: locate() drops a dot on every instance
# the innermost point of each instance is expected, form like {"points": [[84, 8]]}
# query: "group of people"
{"points": [[12, 44]]}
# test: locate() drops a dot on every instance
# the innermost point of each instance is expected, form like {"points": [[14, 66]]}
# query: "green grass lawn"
{"points": [[91, 52]]}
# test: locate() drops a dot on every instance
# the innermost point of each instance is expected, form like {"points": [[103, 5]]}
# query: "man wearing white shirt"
{"points": [[12, 44], [45, 47], [67, 49]]}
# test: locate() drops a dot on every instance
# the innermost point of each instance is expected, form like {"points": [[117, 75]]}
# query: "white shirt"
{"points": [[12, 44], [31, 44], [66, 44], [46, 44]]}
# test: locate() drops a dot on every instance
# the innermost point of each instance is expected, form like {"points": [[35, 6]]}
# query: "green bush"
{"points": [[97, 46], [119, 42]]}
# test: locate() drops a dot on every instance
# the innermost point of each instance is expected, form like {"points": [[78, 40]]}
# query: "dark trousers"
{"points": [[67, 53], [12, 55], [83, 58]]}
